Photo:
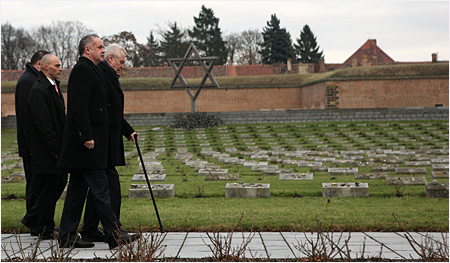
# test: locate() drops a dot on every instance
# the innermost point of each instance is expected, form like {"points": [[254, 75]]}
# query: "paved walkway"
{"points": [[273, 245]]}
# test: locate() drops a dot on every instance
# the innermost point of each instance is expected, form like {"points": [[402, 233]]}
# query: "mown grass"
{"points": [[382, 71], [200, 205]]}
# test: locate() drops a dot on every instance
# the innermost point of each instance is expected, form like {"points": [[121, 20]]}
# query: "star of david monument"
{"points": [[207, 63]]}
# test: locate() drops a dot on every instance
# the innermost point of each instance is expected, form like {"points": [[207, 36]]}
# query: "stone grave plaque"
{"points": [[439, 160], [345, 189], [151, 177], [296, 176], [151, 170], [439, 167], [246, 190], [159, 190], [308, 164], [418, 163], [218, 172], [228, 177], [409, 170], [383, 168], [318, 168], [436, 189], [342, 171], [207, 166], [253, 163], [370, 176], [406, 180], [439, 174]]}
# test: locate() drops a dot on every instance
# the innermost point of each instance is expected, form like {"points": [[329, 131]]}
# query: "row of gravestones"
{"points": [[215, 173], [225, 139]]}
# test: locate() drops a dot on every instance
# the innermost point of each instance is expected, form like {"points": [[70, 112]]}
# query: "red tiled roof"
{"points": [[369, 50]]}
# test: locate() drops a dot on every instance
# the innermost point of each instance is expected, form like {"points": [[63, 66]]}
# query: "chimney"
{"points": [[434, 57], [322, 65], [289, 65]]}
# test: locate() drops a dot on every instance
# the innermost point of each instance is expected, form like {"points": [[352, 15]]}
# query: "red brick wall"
{"points": [[350, 94], [210, 100], [393, 93]]}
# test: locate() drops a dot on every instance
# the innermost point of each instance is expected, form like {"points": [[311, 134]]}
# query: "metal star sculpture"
{"points": [[192, 51]]}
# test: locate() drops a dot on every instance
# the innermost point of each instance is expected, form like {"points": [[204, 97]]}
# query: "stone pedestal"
{"points": [[408, 170], [227, 177], [245, 190], [370, 176], [406, 180], [296, 176], [215, 171], [342, 171], [439, 174], [436, 189], [159, 190], [151, 178], [345, 190]]}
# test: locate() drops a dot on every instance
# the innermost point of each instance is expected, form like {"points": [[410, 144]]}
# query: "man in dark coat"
{"points": [[85, 147], [118, 127], [47, 111], [23, 123]]}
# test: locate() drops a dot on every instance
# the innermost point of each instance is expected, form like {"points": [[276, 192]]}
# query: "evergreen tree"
{"points": [[154, 59], [207, 36], [173, 44], [277, 45], [307, 50]]}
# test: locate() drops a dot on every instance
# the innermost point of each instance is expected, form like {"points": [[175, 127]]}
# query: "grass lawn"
{"points": [[201, 205]]}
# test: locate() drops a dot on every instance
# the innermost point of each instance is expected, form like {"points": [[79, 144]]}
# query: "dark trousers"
{"points": [[28, 178], [31, 194], [50, 187], [91, 218], [80, 180]]}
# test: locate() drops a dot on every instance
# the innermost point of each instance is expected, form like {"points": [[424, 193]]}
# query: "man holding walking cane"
{"points": [[110, 67]]}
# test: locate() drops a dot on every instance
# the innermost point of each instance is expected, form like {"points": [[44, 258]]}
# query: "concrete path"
{"points": [[267, 245]]}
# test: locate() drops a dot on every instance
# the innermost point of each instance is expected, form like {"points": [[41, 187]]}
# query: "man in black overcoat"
{"points": [[85, 147], [23, 123], [111, 67], [47, 111]]}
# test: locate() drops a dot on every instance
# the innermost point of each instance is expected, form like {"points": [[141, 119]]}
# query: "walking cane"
{"points": [[148, 182]]}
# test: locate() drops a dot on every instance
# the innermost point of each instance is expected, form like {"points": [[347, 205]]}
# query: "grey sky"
{"points": [[405, 30]]}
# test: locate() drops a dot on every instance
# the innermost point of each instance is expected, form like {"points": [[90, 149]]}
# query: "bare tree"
{"points": [[17, 47], [128, 41], [61, 38], [234, 46], [250, 47]]}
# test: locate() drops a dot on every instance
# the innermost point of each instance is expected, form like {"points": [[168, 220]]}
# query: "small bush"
{"points": [[196, 120]]}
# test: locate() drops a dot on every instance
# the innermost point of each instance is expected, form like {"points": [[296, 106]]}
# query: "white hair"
{"points": [[115, 50]]}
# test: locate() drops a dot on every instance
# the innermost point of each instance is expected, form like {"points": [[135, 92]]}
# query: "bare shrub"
{"points": [[324, 247], [428, 249], [36, 254], [222, 247], [146, 248]]}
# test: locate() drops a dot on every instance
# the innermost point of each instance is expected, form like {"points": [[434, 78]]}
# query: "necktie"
{"points": [[56, 88]]}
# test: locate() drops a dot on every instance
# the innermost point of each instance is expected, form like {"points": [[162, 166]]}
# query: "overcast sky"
{"points": [[405, 30]]}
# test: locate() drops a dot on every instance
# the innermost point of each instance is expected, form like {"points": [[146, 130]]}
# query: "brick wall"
{"points": [[288, 116], [393, 93], [344, 95]]}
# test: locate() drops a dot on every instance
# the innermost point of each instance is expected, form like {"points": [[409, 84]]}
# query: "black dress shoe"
{"points": [[96, 236], [74, 241], [47, 236], [120, 237], [34, 231]]}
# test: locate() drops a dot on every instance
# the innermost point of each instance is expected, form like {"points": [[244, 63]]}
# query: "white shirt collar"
{"points": [[51, 81]]}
